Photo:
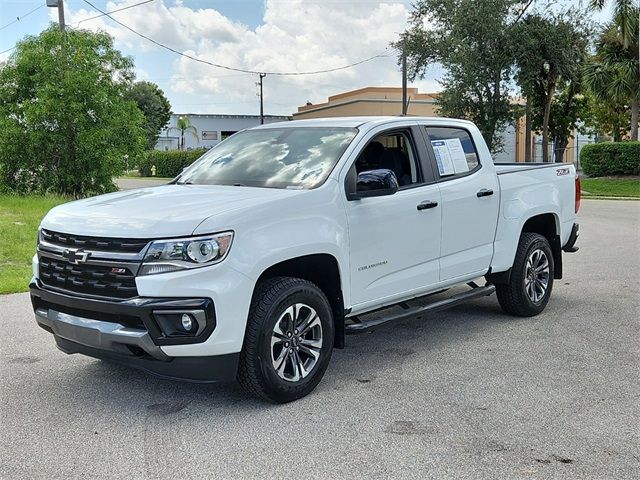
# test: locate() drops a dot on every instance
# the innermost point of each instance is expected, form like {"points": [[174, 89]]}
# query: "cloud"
{"points": [[294, 36]]}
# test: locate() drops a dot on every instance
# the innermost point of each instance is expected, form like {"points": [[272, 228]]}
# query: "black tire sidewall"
{"points": [[535, 243], [277, 388]]}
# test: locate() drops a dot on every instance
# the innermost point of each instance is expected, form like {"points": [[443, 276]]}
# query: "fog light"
{"points": [[187, 323]]}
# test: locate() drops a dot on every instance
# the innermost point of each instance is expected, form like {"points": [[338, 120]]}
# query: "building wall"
{"points": [[212, 129], [371, 101]]}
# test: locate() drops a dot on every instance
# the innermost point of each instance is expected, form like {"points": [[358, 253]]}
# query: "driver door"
{"points": [[394, 240]]}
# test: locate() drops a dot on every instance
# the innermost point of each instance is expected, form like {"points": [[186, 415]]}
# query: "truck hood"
{"points": [[156, 212]]}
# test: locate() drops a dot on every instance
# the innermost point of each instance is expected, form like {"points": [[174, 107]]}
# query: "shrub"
{"points": [[65, 124], [168, 163], [611, 158]]}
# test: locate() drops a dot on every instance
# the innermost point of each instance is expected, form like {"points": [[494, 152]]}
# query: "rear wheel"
{"points": [[529, 288], [288, 340]]}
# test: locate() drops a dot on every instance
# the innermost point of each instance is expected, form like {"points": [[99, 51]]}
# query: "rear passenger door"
{"points": [[470, 202]]}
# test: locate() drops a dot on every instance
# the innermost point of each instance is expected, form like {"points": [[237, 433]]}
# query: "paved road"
{"points": [[130, 183], [467, 393]]}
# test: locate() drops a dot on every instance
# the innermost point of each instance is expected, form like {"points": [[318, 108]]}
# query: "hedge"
{"points": [[169, 163], [611, 158]]}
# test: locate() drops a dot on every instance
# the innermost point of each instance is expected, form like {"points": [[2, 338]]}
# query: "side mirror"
{"points": [[374, 183]]}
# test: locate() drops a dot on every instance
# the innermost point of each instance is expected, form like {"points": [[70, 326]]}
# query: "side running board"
{"points": [[361, 326]]}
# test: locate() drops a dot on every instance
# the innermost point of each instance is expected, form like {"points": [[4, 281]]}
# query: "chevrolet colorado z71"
{"points": [[256, 261]]}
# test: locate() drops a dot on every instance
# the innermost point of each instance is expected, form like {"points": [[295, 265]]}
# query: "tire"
{"points": [[528, 290], [267, 369]]}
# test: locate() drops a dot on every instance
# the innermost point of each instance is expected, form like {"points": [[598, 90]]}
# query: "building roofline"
{"points": [[333, 100], [324, 106], [224, 115]]}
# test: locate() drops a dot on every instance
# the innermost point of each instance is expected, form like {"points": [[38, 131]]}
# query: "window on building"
{"points": [[226, 134]]}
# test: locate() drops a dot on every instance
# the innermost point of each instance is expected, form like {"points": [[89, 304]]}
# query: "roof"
{"points": [[369, 94], [223, 115]]}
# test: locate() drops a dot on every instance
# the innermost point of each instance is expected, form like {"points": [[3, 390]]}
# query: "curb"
{"points": [[599, 197]]}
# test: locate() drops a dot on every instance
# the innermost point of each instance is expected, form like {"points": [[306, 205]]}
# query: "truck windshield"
{"points": [[289, 157]]}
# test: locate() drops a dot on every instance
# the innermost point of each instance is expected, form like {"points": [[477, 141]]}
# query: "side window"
{"points": [[454, 151], [394, 151]]}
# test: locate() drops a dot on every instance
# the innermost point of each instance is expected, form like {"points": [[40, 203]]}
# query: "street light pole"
{"points": [[61, 14], [59, 4], [404, 76], [261, 75]]}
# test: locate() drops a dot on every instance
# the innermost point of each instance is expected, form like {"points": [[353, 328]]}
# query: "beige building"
{"points": [[371, 101]]}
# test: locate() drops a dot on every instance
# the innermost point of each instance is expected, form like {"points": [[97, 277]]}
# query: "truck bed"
{"points": [[528, 188]]}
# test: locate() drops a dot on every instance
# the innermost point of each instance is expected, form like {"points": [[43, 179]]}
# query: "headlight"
{"points": [[182, 253]]}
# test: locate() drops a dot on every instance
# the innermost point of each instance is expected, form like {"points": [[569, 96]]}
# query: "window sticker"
{"points": [[443, 157], [450, 156]]}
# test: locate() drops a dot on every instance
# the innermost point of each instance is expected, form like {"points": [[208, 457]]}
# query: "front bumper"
{"points": [[125, 332]]}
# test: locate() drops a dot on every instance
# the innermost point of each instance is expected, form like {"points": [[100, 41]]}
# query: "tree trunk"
{"points": [[527, 132], [545, 121], [560, 145], [634, 118]]}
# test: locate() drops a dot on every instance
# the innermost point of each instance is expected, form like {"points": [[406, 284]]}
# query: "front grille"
{"points": [[130, 245], [87, 278]]}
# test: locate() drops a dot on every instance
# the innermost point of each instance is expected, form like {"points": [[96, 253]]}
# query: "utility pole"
{"points": [[261, 75], [404, 76], [59, 4]]}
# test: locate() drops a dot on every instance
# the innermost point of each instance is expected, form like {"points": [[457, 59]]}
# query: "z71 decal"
{"points": [[562, 171]]}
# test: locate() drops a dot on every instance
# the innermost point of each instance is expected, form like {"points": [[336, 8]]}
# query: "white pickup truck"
{"points": [[256, 261]]}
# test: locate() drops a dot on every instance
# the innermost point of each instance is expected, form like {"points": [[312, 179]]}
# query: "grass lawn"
{"points": [[611, 187], [19, 220]]}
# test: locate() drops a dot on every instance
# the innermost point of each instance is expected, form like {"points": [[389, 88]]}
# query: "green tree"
{"points": [[471, 39], [613, 75], [155, 107], [625, 17], [569, 112], [608, 118], [65, 123], [183, 126], [550, 53]]}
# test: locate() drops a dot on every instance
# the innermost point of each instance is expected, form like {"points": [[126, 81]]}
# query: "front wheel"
{"points": [[529, 288], [288, 340]]}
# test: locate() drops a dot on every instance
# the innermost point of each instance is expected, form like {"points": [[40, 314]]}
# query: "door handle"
{"points": [[485, 192], [427, 204]]}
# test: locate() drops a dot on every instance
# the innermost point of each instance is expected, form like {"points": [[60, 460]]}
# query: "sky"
{"points": [[256, 35]]}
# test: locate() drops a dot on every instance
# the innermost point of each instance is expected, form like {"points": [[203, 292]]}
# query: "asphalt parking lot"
{"points": [[465, 393]]}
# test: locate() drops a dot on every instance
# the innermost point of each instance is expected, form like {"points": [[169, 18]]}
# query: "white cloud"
{"points": [[295, 35]]}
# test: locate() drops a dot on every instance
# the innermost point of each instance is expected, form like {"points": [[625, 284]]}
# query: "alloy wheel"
{"points": [[536, 279], [296, 342]]}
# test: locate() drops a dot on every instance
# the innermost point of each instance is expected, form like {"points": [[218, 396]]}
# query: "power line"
{"points": [[226, 67], [526, 7], [8, 49], [20, 18], [114, 11]]}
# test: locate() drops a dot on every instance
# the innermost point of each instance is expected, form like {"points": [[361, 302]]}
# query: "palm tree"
{"points": [[184, 126], [625, 17], [613, 75]]}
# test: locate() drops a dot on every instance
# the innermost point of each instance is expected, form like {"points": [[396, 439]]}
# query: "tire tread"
{"points": [[511, 295], [267, 293]]}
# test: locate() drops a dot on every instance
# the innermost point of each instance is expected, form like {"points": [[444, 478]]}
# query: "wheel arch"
{"points": [[547, 225], [321, 269]]}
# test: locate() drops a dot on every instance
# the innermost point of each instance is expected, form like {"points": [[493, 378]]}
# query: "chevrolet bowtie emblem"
{"points": [[76, 256]]}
